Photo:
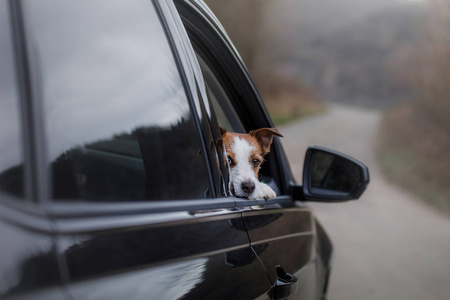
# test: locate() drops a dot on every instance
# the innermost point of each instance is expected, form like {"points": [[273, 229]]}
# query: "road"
{"points": [[388, 244]]}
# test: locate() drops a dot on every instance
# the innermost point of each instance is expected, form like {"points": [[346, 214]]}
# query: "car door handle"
{"points": [[285, 285]]}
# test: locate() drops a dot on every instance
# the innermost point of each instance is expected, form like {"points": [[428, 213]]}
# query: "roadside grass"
{"points": [[287, 98], [413, 152], [282, 118], [291, 105]]}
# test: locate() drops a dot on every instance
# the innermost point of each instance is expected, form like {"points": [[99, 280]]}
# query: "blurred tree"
{"points": [[414, 138], [433, 78], [247, 24], [243, 21]]}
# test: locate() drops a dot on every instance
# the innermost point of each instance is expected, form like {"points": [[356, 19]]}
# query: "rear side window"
{"points": [[11, 158], [117, 119], [225, 112]]}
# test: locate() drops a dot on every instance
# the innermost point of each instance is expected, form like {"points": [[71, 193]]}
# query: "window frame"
{"points": [[27, 213], [31, 105], [26, 119]]}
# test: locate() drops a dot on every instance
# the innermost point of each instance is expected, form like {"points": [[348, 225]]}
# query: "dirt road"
{"points": [[388, 244]]}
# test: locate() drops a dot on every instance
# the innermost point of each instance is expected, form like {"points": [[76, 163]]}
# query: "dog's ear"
{"points": [[222, 130], [265, 137]]}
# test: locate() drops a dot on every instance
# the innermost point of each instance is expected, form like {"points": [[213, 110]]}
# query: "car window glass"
{"points": [[11, 158], [117, 119], [225, 112]]}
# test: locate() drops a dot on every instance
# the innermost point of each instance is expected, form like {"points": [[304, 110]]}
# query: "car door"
{"points": [[281, 231], [129, 175]]}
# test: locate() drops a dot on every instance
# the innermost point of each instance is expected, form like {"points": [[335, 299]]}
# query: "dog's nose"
{"points": [[248, 187]]}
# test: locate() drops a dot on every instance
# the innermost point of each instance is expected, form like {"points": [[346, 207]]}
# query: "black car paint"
{"points": [[192, 248], [28, 254], [223, 248]]}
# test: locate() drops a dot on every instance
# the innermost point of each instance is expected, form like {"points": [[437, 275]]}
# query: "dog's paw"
{"points": [[262, 191]]}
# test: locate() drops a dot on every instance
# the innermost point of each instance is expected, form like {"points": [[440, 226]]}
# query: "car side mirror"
{"points": [[332, 176]]}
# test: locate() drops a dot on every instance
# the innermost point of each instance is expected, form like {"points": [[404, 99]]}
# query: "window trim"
{"points": [[96, 209], [31, 102], [23, 83]]}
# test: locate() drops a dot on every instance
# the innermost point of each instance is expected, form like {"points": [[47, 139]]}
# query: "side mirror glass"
{"points": [[332, 176]]}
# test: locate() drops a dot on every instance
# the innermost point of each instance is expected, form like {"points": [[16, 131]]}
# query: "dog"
{"points": [[244, 154]]}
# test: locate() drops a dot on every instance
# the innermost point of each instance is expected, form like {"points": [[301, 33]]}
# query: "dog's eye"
{"points": [[256, 162], [230, 162]]}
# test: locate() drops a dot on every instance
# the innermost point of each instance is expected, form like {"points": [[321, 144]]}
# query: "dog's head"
{"points": [[245, 154]]}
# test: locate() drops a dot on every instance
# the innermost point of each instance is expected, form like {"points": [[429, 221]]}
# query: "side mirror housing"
{"points": [[330, 176]]}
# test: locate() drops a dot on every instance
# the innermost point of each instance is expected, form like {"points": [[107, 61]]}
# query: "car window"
{"points": [[231, 94], [222, 103], [117, 118], [225, 112], [11, 158]]}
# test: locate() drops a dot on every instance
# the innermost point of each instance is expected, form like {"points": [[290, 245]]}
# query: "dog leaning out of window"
{"points": [[245, 154]]}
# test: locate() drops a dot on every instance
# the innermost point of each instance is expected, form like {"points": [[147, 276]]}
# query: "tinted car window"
{"points": [[225, 112], [11, 159], [117, 118]]}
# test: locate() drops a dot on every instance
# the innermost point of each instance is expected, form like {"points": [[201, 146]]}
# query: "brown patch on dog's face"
{"points": [[260, 140], [264, 136], [229, 140]]}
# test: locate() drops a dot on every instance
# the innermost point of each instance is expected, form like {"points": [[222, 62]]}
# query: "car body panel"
{"points": [[190, 255], [287, 233]]}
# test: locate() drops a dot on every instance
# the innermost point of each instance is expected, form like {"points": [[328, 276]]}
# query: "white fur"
{"points": [[262, 191], [243, 172]]}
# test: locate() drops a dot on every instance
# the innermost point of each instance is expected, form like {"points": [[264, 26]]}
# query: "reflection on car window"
{"points": [[118, 122], [225, 112], [11, 160]]}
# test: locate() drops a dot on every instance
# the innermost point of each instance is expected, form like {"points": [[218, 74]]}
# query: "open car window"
{"points": [[233, 99], [221, 99]]}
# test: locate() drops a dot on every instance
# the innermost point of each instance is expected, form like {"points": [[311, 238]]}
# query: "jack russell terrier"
{"points": [[244, 154]]}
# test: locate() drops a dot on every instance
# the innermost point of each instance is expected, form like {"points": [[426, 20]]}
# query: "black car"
{"points": [[112, 177]]}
